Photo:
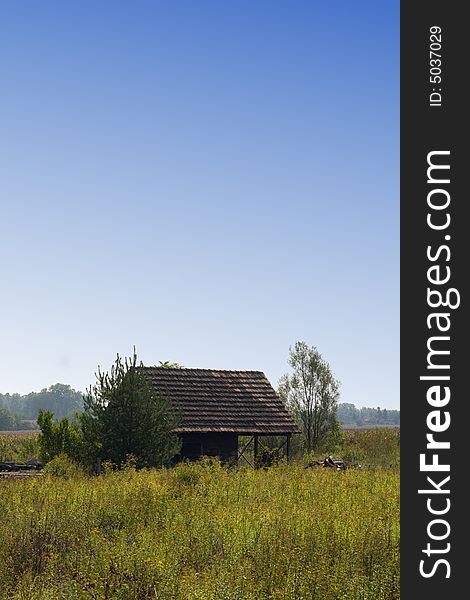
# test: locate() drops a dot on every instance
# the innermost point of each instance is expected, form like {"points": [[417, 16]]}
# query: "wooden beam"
{"points": [[241, 454], [288, 448]]}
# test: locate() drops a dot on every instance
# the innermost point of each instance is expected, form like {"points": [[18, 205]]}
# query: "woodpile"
{"points": [[17, 470], [332, 463]]}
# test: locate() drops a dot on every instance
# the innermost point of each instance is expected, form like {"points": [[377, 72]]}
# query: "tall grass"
{"points": [[372, 447], [200, 531]]}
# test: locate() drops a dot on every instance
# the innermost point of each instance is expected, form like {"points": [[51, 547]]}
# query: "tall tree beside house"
{"points": [[311, 393], [127, 418]]}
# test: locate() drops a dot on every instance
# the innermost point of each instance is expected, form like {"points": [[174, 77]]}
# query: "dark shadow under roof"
{"points": [[241, 402]]}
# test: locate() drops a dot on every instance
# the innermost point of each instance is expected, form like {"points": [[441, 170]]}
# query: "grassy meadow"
{"points": [[200, 531]]}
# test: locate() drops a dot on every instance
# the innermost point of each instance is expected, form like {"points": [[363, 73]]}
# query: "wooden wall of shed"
{"points": [[195, 445]]}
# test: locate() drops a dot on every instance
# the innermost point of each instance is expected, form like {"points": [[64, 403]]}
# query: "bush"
{"points": [[63, 437], [268, 457], [64, 467], [187, 474]]}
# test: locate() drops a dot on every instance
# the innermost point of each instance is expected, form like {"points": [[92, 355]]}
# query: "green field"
{"points": [[200, 531]]}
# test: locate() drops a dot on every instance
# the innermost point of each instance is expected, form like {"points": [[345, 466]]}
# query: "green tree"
{"points": [[62, 437], [125, 417], [311, 393]]}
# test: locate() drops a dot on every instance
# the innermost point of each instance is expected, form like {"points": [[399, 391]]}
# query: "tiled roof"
{"points": [[242, 402]]}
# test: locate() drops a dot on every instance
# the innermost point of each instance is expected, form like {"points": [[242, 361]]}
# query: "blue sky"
{"points": [[208, 181]]}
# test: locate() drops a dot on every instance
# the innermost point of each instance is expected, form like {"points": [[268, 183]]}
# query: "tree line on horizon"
{"points": [[350, 416], [16, 409], [62, 400]]}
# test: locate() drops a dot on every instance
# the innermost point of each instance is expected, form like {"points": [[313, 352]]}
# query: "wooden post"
{"points": [[288, 447], [255, 450]]}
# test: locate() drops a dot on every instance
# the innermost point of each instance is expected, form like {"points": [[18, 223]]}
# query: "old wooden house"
{"points": [[217, 407]]}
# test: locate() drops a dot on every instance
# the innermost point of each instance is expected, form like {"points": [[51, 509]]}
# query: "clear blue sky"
{"points": [[209, 181]]}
